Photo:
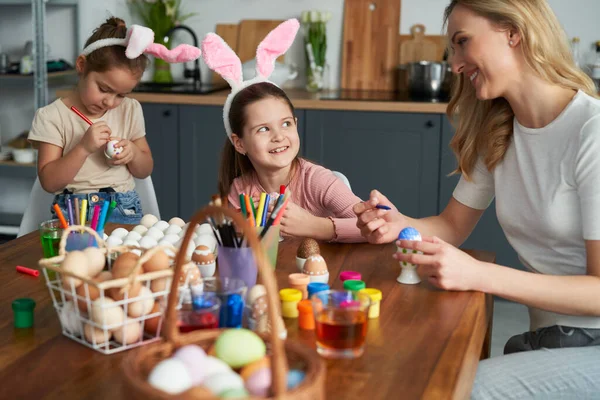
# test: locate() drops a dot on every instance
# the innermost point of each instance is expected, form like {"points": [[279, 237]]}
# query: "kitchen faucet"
{"points": [[188, 73]]}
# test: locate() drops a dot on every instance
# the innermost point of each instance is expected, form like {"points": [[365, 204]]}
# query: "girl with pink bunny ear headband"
{"points": [[140, 40], [222, 59]]}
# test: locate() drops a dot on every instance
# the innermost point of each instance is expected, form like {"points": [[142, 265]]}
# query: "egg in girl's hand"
{"points": [[148, 220], [177, 221], [161, 225], [75, 262], [95, 335], [194, 358], [120, 233], [141, 229], [129, 333], [141, 304], [171, 376], [316, 268], [106, 313], [112, 149], [96, 260]]}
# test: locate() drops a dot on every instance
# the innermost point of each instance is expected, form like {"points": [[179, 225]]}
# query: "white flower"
{"points": [[150, 1], [315, 16], [305, 17], [326, 16]]}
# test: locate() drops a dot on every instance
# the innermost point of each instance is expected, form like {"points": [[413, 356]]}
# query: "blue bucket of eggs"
{"points": [[227, 363]]}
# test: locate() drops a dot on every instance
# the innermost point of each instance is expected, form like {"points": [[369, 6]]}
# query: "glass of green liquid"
{"points": [[50, 234]]}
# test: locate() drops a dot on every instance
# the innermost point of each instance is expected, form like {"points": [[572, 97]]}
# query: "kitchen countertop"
{"points": [[330, 100]]}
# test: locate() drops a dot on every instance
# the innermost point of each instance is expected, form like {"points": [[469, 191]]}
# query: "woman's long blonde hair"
{"points": [[486, 127]]}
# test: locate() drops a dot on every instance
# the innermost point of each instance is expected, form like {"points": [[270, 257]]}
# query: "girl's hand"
{"points": [[379, 226], [442, 264], [296, 221], [126, 155], [97, 135]]}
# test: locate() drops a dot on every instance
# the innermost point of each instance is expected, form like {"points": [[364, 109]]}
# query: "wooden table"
{"points": [[426, 343]]}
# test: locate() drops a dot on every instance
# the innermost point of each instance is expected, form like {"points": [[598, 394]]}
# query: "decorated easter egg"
{"points": [[207, 240], [256, 292], [225, 381], [238, 347], [119, 232], [148, 220], [409, 233], [177, 221], [171, 376], [308, 247], [259, 307], [112, 149], [259, 383], [203, 255], [315, 265], [194, 358]]}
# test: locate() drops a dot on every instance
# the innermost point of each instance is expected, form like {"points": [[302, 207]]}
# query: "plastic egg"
{"points": [[75, 262], [259, 382], [133, 236], [161, 225], [171, 239], [294, 378], [141, 229], [239, 393], [239, 347], [148, 242], [141, 304], [106, 313], [215, 366], [120, 233], [193, 357], [148, 220], [95, 335], [96, 260], [219, 383], [128, 333], [173, 230], [114, 241], [155, 233], [177, 221], [111, 149], [171, 376]]}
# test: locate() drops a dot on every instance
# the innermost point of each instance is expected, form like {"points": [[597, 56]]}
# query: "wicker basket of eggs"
{"points": [[224, 363], [112, 299]]}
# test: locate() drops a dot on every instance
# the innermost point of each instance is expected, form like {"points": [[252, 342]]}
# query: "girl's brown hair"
{"points": [[485, 128], [233, 164], [109, 57]]}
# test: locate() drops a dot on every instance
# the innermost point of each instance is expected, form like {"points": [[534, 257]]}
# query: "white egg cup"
{"points": [[408, 275], [300, 264], [324, 278], [207, 270]]}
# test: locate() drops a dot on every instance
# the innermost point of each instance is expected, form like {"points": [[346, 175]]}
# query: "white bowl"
{"points": [[24, 156]]}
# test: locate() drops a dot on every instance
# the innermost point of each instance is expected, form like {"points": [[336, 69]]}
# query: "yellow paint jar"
{"points": [[289, 302], [375, 295]]}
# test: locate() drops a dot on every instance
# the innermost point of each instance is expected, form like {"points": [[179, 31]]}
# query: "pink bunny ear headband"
{"points": [[220, 58], [140, 40]]}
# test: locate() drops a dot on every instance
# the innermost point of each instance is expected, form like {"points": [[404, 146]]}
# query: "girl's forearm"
{"points": [[323, 229], [56, 175], [573, 295], [142, 164]]}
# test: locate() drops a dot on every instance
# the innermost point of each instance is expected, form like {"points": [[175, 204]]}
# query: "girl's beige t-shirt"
{"points": [[58, 125]]}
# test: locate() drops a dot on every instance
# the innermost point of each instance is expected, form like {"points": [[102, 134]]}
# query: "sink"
{"points": [[178, 88]]}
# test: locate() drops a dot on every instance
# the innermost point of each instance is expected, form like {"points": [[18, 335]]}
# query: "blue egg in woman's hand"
{"points": [[409, 233], [409, 271]]}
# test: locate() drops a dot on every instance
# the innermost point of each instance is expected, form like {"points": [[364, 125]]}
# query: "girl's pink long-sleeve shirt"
{"points": [[318, 191]]}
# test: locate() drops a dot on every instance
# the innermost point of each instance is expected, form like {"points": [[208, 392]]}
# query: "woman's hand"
{"points": [[379, 226], [442, 264], [125, 156], [96, 136]]}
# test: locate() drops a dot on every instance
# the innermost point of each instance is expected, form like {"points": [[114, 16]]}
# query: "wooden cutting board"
{"points": [[229, 33], [251, 33], [419, 47], [370, 44], [439, 40]]}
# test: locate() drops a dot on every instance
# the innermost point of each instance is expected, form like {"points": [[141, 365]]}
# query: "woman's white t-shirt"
{"points": [[547, 191]]}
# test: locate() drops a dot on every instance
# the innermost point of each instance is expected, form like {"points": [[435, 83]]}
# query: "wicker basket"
{"points": [[138, 364], [74, 304]]}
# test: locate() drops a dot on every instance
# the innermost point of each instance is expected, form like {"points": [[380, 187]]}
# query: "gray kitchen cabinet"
{"points": [[396, 153], [162, 133], [488, 234]]}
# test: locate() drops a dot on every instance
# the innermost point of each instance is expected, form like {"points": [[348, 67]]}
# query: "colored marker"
{"points": [[83, 217], [111, 208], [102, 217], [28, 271], [60, 216]]}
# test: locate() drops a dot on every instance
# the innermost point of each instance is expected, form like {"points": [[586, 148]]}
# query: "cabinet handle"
{"points": [[167, 113], [429, 124]]}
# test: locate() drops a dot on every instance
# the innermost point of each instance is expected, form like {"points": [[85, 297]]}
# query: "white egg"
{"points": [[190, 251], [177, 221], [104, 236], [136, 251], [218, 383], [207, 240], [69, 320], [171, 376], [128, 333], [133, 236], [204, 228], [172, 239], [142, 304], [173, 230], [106, 313], [148, 220], [148, 242], [141, 229], [155, 233], [131, 242], [162, 225], [214, 366], [113, 241], [119, 233]]}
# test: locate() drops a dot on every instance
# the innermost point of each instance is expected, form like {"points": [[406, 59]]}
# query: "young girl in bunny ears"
{"points": [[72, 161], [261, 154]]}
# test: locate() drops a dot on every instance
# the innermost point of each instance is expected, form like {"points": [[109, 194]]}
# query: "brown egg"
{"points": [[159, 261], [75, 262], [315, 265], [122, 267], [159, 284], [203, 256], [151, 324], [307, 248], [92, 292]]}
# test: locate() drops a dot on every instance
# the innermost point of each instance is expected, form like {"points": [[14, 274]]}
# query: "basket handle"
{"points": [[279, 361], [77, 228]]}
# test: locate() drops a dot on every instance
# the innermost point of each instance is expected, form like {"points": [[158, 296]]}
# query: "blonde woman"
{"points": [[528, 133]]}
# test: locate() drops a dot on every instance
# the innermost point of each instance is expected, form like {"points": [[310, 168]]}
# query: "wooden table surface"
{"points": [[426, 343]]}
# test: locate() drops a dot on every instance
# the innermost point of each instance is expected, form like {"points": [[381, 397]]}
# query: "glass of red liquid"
{"points": [[341, 318], [198, 315]]}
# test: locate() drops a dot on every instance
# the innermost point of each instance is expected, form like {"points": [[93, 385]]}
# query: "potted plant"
{"points": [[315, 47], [160, 16]]}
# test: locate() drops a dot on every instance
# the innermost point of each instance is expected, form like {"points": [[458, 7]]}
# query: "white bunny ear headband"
{"points": [[140, 40], [220, 58]]}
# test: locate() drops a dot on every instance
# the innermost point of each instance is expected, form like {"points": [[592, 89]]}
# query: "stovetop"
{"points": [[373, 95]]}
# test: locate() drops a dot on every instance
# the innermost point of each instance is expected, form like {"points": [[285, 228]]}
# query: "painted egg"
{"points": [[203, 256], [315, 265], [239, 347], [307, 248], [207, 240], [111, 149], [256, 292], [409, 233]]}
